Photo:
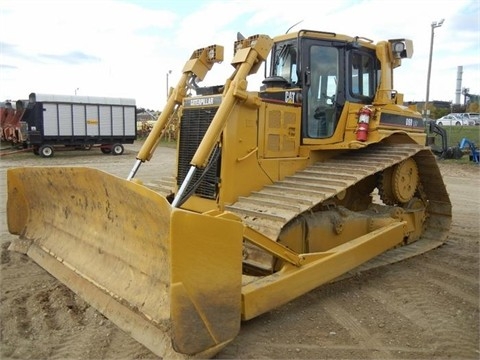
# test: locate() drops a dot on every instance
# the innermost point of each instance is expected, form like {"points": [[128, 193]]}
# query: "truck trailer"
{"points": [[79, 122]]}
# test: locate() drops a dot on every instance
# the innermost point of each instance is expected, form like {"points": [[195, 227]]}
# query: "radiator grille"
{"points": [[193, 125]]}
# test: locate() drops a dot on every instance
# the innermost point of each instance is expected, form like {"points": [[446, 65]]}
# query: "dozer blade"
{"points": [[169, 278]]}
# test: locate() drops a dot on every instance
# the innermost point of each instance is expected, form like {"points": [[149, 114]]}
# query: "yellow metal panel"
{"points": [[277, 169], [240, 156], [281, 131], [200, 205], [240, 56], [206, 255], [279, 288], [17, 205]]}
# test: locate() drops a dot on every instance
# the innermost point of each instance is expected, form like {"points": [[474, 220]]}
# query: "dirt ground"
{"points": [[425, 307]]}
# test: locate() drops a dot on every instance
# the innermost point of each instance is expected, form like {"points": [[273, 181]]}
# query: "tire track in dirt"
{"points": [[369, 328], [443, 269], [366, 339], [459, 233], [402, 307], [449, 332], [456, 292], [468, 252]]}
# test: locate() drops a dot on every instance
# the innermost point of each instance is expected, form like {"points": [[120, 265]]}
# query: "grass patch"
{"points": [[455, 134], [464, 160], [163, 142]]}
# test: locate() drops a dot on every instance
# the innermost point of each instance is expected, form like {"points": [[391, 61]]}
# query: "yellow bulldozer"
{"points": [[321, 171]]}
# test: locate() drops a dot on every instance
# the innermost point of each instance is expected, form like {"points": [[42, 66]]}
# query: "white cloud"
{"points": [[125, 48]]}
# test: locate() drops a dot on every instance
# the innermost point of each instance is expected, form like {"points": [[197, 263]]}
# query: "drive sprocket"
{"points": [[397, 184]]}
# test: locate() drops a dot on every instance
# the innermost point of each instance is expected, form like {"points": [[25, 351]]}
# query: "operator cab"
{"points": [[325, 71]]}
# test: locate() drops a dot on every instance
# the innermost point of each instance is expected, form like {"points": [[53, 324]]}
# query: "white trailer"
{"points": [[79, 122]]}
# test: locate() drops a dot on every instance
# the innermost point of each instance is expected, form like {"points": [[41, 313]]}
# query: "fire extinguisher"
{"points": [[364, 116]]}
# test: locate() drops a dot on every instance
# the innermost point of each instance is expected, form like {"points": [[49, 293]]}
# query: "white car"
{"points": [[474, 118], [452, 120]]}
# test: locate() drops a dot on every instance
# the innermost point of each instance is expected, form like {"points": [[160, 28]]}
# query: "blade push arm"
{"points": [[197, 66]]}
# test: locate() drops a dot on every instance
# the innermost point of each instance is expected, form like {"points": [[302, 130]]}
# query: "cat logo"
{"points": [[289, 97]]}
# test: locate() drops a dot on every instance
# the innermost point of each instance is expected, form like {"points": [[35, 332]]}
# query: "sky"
{"points": [[127, 48]]}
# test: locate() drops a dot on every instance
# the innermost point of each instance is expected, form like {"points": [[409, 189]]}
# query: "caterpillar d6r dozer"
{"points": [[276, 191]]}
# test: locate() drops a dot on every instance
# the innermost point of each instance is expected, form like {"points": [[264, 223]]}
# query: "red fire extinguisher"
{"points": [[364, 116]]}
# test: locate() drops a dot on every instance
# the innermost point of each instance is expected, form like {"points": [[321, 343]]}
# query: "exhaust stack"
{"points": [[458, 90]]}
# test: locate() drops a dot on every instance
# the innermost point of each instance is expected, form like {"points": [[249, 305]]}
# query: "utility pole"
{"points": [[168, 89], [434, 25]]}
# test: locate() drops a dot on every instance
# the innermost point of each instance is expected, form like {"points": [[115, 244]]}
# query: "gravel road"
{"points": [[425, 307]]}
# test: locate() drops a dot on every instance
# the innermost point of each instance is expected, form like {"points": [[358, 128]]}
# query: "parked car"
{"points": [[474, 118], [452, 120]]}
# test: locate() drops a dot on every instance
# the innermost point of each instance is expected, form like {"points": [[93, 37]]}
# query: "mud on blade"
{"points": [[120, 246]]}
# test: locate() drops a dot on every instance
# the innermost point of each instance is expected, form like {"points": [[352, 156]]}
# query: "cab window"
{"points": [[322, 91], [363, 76], [286, 62]]}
